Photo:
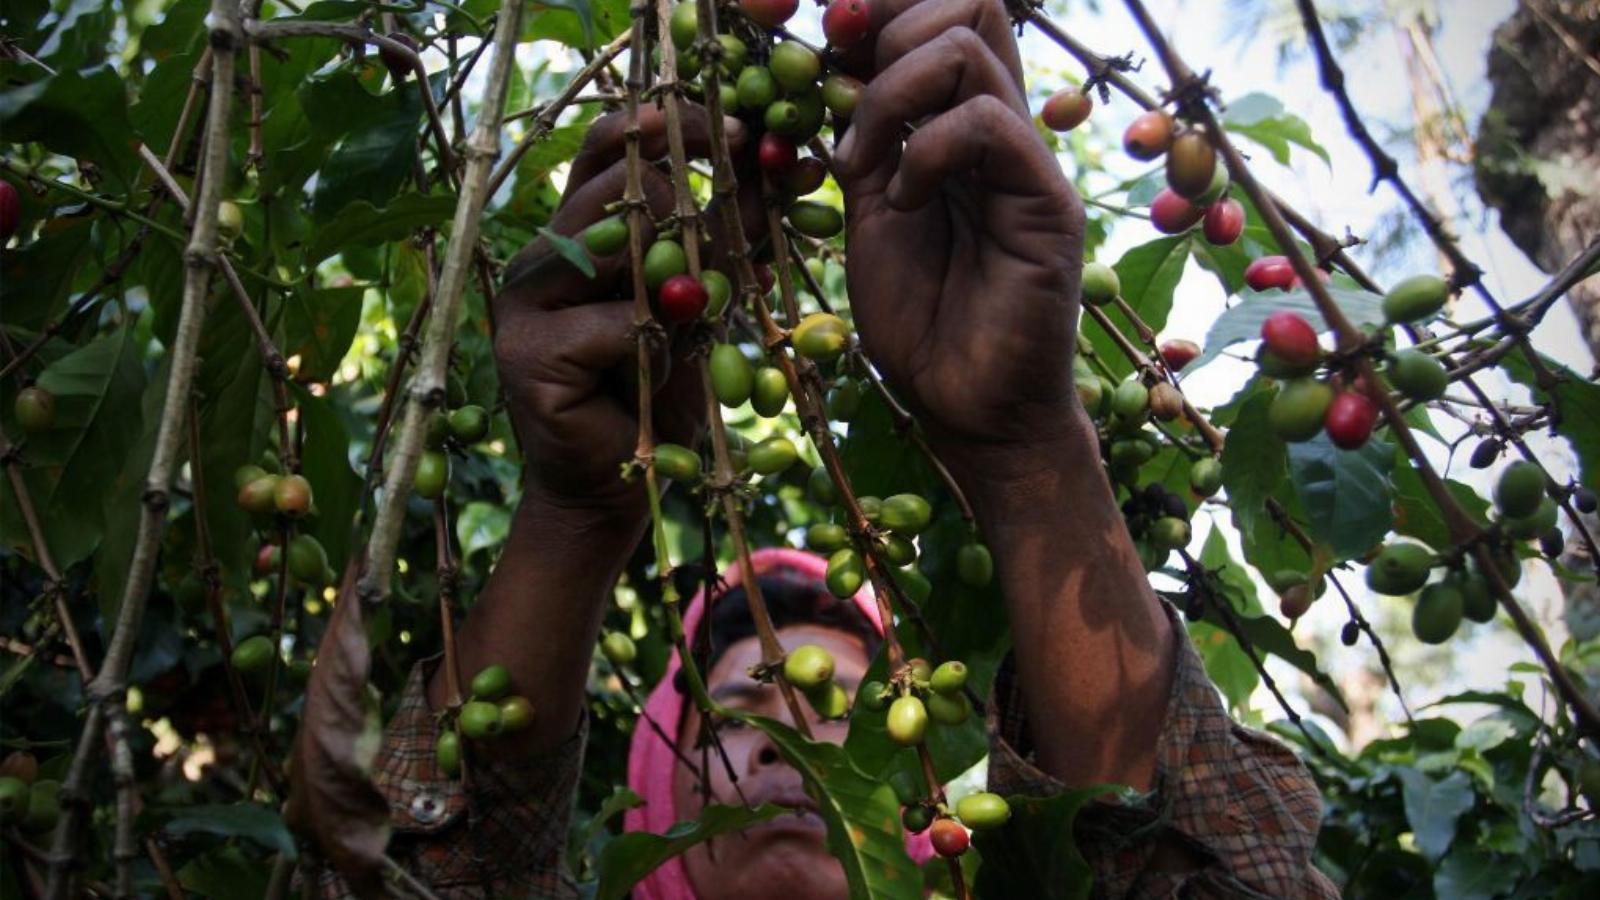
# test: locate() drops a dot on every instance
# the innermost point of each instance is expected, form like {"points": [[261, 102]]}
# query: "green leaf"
{"points": [[121, 508], [1416, 515], [482, 526], [1262, 119], [36, 277], [325, 461], [627, 859], [320, 324], [570, 250], [161, 99], [1035, 854], [576, 23], [244, 820], [1469, 873], [862, 815], [372, 161], [230, 385], [1149, 274], [223, 873], [1227, 664], [79, 35], [621, 800], [1345, 493], [1255, 469], [1243, 321], [363, 224], [1577, 409], [79, 114], [1432, 807]]}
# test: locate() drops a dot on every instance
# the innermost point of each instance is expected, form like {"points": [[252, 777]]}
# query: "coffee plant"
{"points": [[257, 455]]}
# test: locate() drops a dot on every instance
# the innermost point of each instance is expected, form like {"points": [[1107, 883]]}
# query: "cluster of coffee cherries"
{"points": [[27, 802], [464, 425], [269, 494], [1307, 405], [492, 712]]}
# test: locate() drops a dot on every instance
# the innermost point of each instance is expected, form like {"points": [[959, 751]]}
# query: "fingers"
{"points": [[943, 73], [607, 143], [914, 23], [982, 135]]}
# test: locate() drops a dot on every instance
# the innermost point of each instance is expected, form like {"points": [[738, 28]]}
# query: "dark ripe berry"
{"points": [[846, 22], [1224, 222], [804, 176], [765, 279], [267, 560], [1350, 419], [1174, 506], [1066, 109], [770, 13], [1290, 338], [1349, 634], [10, 210], [396, 62], [949, 838], [776, 153], [1585, 500], [1148, 136], [1179, 353], [682, 299], [1170, 213], [1269, 272], [917, 818], [1295, 601], [1191, 163], [1552, 542], [1487, 451], [35, 407]]}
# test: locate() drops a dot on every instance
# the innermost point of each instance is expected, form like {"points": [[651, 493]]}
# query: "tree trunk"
{"points": [[1538, 148]]}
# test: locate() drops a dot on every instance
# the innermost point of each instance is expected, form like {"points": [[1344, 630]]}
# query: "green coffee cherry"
{"points": [[433, 475], [782, 117], [732, 378], [844, 400], [664, 259], [905, 514], [914, 583], [871, 508], [246, 474], [1131, 400], [677, 462], [618, 649], [719, 290], [1169, 533], [44, 806], [808, 667], [734, 53], [1205, 476], [898, 550], [1418, 297], [1437, 614], [921, 671], [830, 701], [772, 456], [794, 66], [1399, 569], [1417, 375], [949, 678], [307, 560], [846, 572], [1296, 413], [1542, 519], [1477, 600], [769, 392], [983, 810], [607, 236], [841, 93], [684, 25], [1100, 284], [757, 88], [469, 424], [826, 537], [906, 785], [254, 655], [13, 800], [447, 753], [821, 487], [813, 219], [948, 709], [491, 682], [820, 337], [480, 719], [974, 565], [908, 721], [873, 695], [1519, 490]]}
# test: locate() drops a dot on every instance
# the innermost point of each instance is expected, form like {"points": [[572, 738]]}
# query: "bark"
{"points": [[1538, 145]]}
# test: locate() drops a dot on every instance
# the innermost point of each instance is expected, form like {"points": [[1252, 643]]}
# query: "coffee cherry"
{"points": [[794, 66], [782, 117], [818, 220], [983, 810], [292, 496], [906, 514], [308, 561], [756, 87], [907, 785], [21, 765], [1179, 353], [253, 655], [677, 462], [1100, 284], [1297, 412], [821, 487], [1205, 476], [1418, 297], [770, 391], [1350, 419], [1170, 213], [433, 474], [845, 22], [1539, 522], [776, 154], [841, 93], [770, 13], [921, 670], [682, 299], [438, 430], [13, 796], [35, 407], [1169, 533], [870, 507], [480, 719], [1131, 400], [949, 678], [826, 537], [1485, 454], [607, 236], [1585, 500], [916, 818], [801, 178], [820, 337], [1295, 601], [771, 456], [808, 667], [948, 709], [1148, 136], [844, 400], [1417, 375], [1399, 569], [874, 696], [1224, 222], [447, 752], [1477, 600], [974, 565], [267, 560], [830, 701], [908, 721], [1217, 187], [1269, 272], [1290, 338], [845, 573], [1130, 453], [897, 550], [1519, 490], [395, 61], [491, 682], [1437, 614], [1166, 402], [1552, 543], [1066, 109], [949, 839], [1092, 393], [684, 24], [664, 259], [10, 210], [618, 649], [230, 221], [1349, 634], [731, 375], [469, 424], [1191, 162]]}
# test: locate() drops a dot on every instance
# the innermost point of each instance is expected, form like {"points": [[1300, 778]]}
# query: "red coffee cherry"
{"points": [[1350, 420], [776, 153], [1290, 338], [1172, 214], [770, 13], [1269, 272], [1148, 136], [949, 839], [1066, 109], [682, 299], [10, 210], [846, 22], [1179, 353], [804, 176], [1224, 222]]}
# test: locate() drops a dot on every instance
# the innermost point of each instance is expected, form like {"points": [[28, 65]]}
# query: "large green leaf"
{"points": [[244, 820], [1433, 807], [1243, 321], [319, 325], [1227, 664], [862, 815], [363, 224], [230, 384], [36, 277], [374, 159], [121, 508], [1035, 854], [1255, 469], [325, 461], [79, 35], [627, 859], [1345, 493], [1149, 274], [1577, 408], [1415, 513], [576, 23], [79, 114], [1262, 118]]}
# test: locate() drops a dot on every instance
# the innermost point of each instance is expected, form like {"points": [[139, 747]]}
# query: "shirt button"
{"points": [[426, 808]]}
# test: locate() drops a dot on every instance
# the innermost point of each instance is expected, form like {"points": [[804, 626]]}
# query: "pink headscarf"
{"points": [[650, 759]]}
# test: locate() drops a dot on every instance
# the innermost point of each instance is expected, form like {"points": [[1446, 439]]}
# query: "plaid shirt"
{"points": [[1232, 812]]}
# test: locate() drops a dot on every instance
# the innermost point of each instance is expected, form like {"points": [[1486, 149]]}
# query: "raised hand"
{"points": [[965, 239]]}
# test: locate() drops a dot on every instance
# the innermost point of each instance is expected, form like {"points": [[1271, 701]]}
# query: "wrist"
{"points": [[1000, 476], [621, 516]]}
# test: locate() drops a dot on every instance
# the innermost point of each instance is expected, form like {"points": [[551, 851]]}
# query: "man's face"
{"points": [[784, 857]]}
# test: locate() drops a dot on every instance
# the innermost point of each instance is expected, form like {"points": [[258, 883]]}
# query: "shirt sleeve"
{"points": [[1231, 812], [505, 836]]}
